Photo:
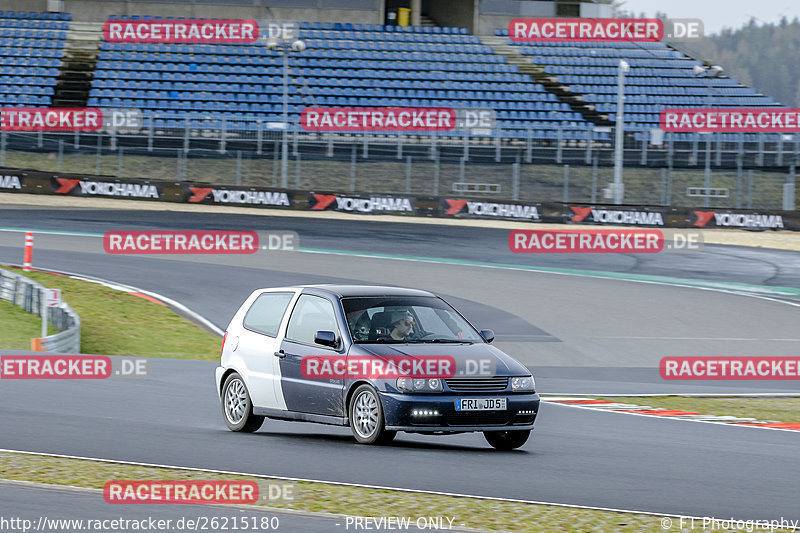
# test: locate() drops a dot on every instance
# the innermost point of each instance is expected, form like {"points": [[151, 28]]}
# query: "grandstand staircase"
{"points": [[425, 20], [77, 65], [551, 84]]}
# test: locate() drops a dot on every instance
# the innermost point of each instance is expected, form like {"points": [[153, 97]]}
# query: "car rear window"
{"points": [[265, 315]]}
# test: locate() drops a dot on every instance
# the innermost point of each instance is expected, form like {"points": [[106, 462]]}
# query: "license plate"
{"points": [[481, 404]]}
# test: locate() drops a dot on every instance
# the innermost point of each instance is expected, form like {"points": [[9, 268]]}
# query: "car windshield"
{"points": [[416, 319]]}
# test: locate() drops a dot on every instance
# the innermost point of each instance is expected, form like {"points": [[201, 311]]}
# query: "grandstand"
{"points": [[555, 103], [660, 77], [352, 65], [535, 88], [31, 47]]}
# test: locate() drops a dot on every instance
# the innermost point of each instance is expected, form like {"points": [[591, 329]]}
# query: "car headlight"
{"points": [[419, 385], [523, 384]]}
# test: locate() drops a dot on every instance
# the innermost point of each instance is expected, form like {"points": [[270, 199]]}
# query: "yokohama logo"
{"points": [[603, 216], [10, 182], [102, 188], [489, 209], [739, 220], [222, 196], [320, 202], [374, 203]]}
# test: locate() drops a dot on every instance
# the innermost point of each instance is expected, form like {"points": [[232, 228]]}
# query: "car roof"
{"points": [[344, 291]]}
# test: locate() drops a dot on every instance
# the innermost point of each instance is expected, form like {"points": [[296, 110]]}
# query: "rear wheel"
{"points": [[507, 440], [366, 417], [237, 409]]}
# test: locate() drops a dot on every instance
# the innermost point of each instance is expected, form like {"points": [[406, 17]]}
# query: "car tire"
{"points": [[237, 409], [366, 417], [507, 440]]}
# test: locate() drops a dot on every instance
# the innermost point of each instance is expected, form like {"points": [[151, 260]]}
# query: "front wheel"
{"points": [[507, 440], [237, 409], [366, 417]]}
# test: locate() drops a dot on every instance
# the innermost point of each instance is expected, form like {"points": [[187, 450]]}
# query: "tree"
{"points": [[761, 56]]}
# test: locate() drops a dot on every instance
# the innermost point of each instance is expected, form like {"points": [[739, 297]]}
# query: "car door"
{"points": [[311, 313], [258, 341]]}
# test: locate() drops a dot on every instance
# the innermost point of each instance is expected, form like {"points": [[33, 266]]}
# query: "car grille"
{"points": [[477, 384]]}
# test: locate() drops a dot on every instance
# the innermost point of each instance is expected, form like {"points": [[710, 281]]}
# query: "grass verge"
{"points": [[118, 323], [18, 327], [355, 501], [778, 409]]}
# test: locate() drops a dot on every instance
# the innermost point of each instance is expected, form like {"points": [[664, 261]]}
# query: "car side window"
{"points": [[311, 314], [266, 313]]}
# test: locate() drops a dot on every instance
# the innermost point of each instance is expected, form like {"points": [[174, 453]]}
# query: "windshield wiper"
{"points": [[444, 341]]}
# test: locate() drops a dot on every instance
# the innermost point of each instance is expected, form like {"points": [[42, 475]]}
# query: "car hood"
{"points": [[505, 364]]}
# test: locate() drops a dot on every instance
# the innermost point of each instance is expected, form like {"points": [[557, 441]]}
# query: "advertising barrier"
{"points": [[616, 215], [226, 196], [459, 207], [361, 204], [35, 182], [125, 189], [11, 183]]}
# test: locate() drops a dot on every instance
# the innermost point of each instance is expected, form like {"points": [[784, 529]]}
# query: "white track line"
{"points": [[674, 418], [343, 484], [130, 288], [575, 396], [521, 268]]}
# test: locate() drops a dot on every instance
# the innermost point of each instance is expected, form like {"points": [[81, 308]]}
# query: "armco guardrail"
{"points": [[28, 295]]}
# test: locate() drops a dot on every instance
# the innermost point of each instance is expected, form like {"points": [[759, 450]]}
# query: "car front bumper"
{"points": [[399, 413]]}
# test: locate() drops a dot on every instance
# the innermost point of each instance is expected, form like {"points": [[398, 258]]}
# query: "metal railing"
{"points": [[758, 171], [27, 294]]}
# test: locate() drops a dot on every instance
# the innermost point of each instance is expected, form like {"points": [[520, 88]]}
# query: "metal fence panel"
{"points": [[28, 294]]}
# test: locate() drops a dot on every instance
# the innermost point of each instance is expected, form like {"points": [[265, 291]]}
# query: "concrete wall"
{"points": [[488, 23], [459, 13], [24, 5], [496, 14]]}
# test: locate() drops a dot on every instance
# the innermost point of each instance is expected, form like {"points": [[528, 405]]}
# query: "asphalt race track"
{"points": [[579, 334]]}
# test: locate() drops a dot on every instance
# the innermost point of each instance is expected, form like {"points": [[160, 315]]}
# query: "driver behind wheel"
{"points": [[401, 325]]}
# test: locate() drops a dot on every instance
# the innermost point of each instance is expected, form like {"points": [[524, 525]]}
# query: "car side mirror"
{"points": [[326, 338], [488, 335]]}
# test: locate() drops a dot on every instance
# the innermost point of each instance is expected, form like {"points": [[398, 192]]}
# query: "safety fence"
{"points": [[755, 171], [464, 204], [29, 295]]}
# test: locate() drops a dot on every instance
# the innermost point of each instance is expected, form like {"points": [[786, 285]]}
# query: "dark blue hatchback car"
{"points": [[379, 359]]}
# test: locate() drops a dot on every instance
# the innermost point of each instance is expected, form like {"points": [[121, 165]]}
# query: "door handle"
{"points": [[280, 353]]}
